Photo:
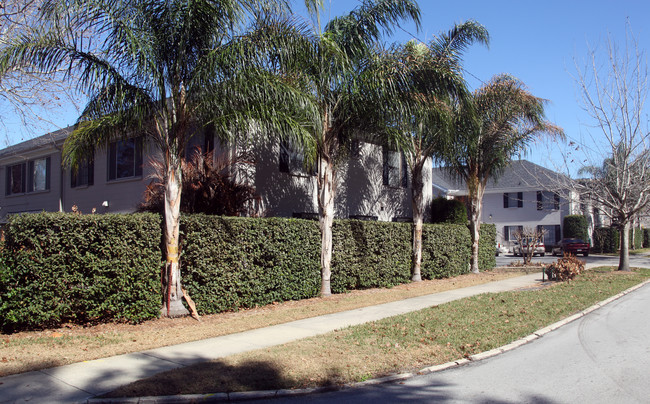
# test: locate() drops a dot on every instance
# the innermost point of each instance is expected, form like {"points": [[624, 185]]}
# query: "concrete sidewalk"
{"points": [[80, 381]]}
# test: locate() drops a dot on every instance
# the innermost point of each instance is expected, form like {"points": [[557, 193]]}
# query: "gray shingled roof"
{"points": [[520, 174], [50, 139]]}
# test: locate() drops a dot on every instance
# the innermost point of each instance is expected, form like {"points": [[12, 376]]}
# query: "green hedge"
{"points": [[606, 240], [228, 262], [486, 246], [369, 254], [576, 226], [445, 210], [232, 263], [646, 238], [59, 268]]}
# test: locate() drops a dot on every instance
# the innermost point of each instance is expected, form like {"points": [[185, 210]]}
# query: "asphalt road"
{"points": [[635, 260], [603, 357]]}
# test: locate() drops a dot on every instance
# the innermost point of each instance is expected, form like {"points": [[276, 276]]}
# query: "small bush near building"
{"points": [[576, 226], [445, 210], [565, 268]]}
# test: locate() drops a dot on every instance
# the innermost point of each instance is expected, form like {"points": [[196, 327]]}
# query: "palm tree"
{"points": [[163, 70], [433, 82], [335, 73], [499, 120]]}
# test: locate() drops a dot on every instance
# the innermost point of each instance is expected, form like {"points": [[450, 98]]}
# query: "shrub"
{"points": [[606, 240], [445, 210], [208, 187], [445, 251], [565, 268], [58, 268], [487, 241], [369, 254], [646, 238], [230, 263], [576, 226]]}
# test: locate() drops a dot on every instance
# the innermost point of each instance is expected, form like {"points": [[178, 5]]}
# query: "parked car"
{"points": [[500, 249], [538, 249], [573, 246]]}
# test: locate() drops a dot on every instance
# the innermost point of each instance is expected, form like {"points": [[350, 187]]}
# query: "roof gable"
{"points": [[520, 174], [52, 139]]}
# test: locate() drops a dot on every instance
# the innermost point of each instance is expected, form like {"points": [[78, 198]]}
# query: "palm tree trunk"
{"points": [[173, 294], [624, 255], [326, 218], [475, 208], [418, 215]]}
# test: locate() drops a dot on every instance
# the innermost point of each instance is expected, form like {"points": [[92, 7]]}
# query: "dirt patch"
{"points": [[34, 350]]}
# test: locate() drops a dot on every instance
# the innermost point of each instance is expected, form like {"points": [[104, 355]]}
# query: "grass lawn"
{"points": [[402, 343]]}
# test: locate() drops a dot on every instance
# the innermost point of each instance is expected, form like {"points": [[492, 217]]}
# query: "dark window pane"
{"points": [[125, 159], [16, 179]]}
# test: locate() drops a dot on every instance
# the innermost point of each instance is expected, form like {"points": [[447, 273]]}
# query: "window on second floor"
{"points": [[395, 173], [513, 200], [547, 200], [125, 159], [30, 176]]}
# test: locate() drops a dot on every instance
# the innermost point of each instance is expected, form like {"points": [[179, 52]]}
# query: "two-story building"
{"points": [[526, 195], [373, 183]]}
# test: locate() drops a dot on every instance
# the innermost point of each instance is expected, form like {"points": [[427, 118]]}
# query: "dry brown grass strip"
{"points": [[27, 351]]}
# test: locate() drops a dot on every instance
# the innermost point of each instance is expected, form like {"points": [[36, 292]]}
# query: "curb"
{"points": [[252, 395]]}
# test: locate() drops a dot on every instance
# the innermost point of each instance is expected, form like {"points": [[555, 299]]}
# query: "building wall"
{"points": [[526, 216], [121, 195], [360, 191], [37, 201]]}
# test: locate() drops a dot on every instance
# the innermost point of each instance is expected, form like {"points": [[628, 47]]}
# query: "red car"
{"points": [[573, 246]]}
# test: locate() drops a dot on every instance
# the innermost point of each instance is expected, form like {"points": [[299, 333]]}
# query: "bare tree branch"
{"points": [[27, 95], [613, 86]]}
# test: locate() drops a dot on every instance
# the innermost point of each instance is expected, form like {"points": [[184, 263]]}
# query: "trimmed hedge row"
{"points": [[58, 268], [576, 226], [606, 240], [230, 262], [486, 246]]}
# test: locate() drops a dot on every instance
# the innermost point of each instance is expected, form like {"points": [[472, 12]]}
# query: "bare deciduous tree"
{"points": [[614, 87], [529, 238], [27, 95]]}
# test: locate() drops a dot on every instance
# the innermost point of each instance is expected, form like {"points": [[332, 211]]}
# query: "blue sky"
{"points": [[539, 43], [534, 41]]}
